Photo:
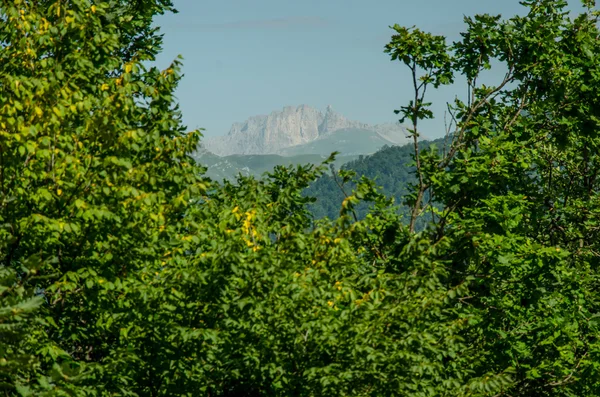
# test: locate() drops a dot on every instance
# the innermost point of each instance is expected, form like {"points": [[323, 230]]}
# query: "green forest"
{"points": [[126, 271], [391, 169]]}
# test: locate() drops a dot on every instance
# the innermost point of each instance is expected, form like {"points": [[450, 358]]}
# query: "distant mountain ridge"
{"points": [[292, 127]]}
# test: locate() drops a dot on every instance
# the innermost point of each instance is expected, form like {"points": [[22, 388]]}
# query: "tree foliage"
{"points": [[94, 168], [520, 191], [124, 271]]}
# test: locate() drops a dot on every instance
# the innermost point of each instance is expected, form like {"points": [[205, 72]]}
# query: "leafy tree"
{"points": [[519, 190], [273, 305], [93, 169]]}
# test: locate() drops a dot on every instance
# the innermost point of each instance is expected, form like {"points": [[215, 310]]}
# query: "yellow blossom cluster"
{"points": [[250, 235]]}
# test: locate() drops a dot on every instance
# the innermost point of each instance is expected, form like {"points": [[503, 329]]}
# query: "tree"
{"points": [[519, 190], [266, 303], [391, 168], [93, 169]]}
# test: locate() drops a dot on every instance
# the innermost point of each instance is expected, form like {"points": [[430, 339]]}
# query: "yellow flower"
{"points": [[346, 201], [330, 303]]}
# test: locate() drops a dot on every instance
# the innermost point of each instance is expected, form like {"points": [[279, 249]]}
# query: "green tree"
{"points": [[519, 190], [266, 303], [391, 168], [93, 169], [125, 272]]}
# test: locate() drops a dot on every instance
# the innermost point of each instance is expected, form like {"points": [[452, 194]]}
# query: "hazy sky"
{"points": [[244, 58]]}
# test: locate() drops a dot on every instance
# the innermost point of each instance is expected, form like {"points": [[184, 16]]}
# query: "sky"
{"points": [[244, 58]]}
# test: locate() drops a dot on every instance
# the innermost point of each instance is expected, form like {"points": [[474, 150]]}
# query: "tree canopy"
{"points": [[125, 271]]}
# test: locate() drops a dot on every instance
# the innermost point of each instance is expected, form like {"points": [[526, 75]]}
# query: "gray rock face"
{"points": [[290, 127], [333, 121]]}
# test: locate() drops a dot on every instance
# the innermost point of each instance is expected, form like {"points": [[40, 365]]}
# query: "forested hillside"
{"points": [[391, 168], [126, 271]]}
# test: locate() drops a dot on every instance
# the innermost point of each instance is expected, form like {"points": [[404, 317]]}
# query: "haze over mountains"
{"points": [[285, 133]]}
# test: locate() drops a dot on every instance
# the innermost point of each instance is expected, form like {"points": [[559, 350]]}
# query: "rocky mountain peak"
{"points": [[291, 126], [333, 121]]}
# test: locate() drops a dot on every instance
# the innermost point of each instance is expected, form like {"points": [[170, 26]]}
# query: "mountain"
{"points": [[287, 132]]}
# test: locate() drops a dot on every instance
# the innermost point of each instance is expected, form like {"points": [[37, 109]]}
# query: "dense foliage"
{"points": [[124, 271], [519, 189], [93, 171]]}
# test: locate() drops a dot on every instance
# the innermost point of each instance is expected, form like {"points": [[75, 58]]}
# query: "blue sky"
{"points": [[244, 58]]}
